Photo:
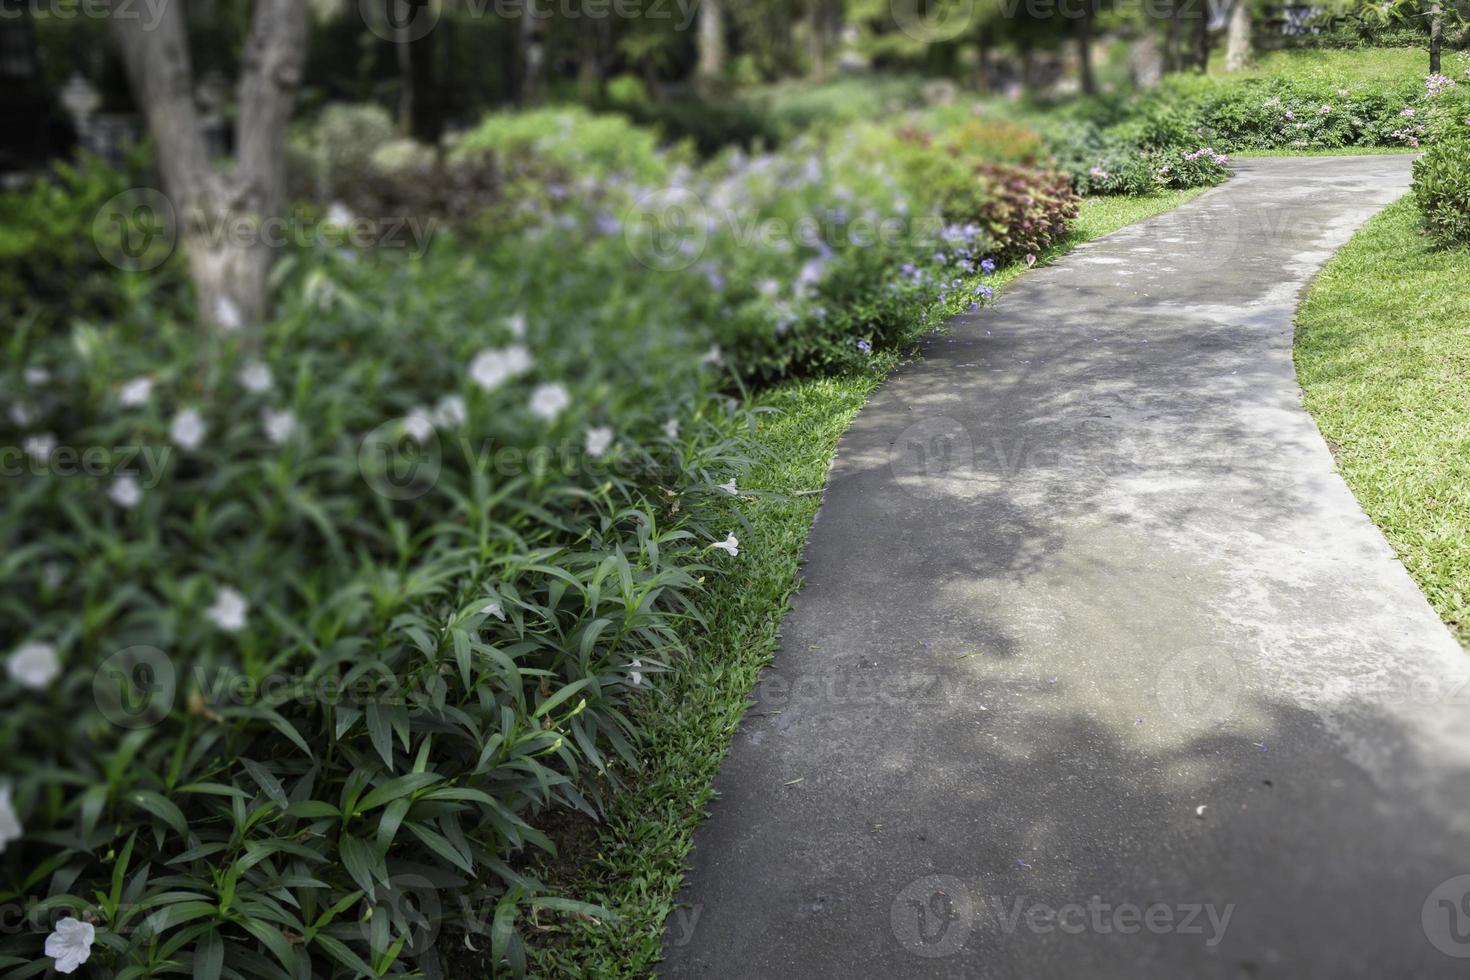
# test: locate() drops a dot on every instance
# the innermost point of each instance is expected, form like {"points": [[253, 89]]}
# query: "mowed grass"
{"points": [[633, 863], [1335, 67], [1383, 355]]}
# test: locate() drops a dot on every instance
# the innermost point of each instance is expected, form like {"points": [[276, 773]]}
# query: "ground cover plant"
{"points": [[398, 564]]}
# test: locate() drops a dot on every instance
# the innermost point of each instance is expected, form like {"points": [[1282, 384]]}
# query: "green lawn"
{"points": [[633, 863], [1334, 66], [1383, 355]]}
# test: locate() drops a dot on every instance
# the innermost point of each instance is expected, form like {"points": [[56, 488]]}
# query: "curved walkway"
{"points": [[1099, 670]]}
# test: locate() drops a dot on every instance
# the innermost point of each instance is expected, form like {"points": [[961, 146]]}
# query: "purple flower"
{"points": [[986, 291], [865, 347], [988, 267]]}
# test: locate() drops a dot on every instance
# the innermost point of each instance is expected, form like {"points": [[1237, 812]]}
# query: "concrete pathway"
{"points": [[1099, 670]]}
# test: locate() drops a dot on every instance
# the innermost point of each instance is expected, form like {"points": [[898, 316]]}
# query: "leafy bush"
{"points": [[710, 125], [334, 613], [1017, 210], [572, 140], [373, 680], [795, 109], [1442, 189], [51, 267], [1024, 210]]}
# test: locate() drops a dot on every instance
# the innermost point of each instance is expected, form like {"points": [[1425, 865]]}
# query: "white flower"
{"points": [[278, 425], [516, 325], [125, 492], [71, 944], [229, 610], [33, 665], [10, 828], [35, 377], [136, 393], [227, 314], [21, 414], [634, 674], [450, 413], [339, 214], [53, 575], [713, 356], [493, 609], [599, 441], [419, 425], [188, 429], [548, 400], [256, 378], [730, 488], [492, 368], [730, 545], [671, 429], [40, 447]]}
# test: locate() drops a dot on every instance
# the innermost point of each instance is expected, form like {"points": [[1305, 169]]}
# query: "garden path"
{"points": [[1095, 649]]}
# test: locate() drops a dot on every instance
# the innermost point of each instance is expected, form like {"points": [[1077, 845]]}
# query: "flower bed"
{"points": [[310, 627]]}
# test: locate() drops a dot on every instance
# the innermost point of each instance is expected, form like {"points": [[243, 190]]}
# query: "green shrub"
{"points": [[1442, 189], [1018, 210], [395, 571], [794, 109], [573, 140], [373, 681], [710, 125], [51, 267]]}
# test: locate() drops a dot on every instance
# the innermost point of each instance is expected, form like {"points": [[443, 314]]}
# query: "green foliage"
{"points": [[342, 607], [404, 682], [1442, 189], [50, 264], [711, 125], [572, 139], [1015, 210], [794, 108]]}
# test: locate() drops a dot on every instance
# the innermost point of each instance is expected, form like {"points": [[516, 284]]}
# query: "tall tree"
{"points": [[1436, 35], [711, 70], [1084, 51], [1238, 37], [230, 272]]}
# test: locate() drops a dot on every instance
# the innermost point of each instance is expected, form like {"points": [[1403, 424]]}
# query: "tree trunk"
{"points": [[224, 218], [1145, 59], [1436, 36], [1202, 38], [711, 70], [1084, 54], [1171, 37], [983, 62], [403, 47], [1238, 39], [533, 58]]}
